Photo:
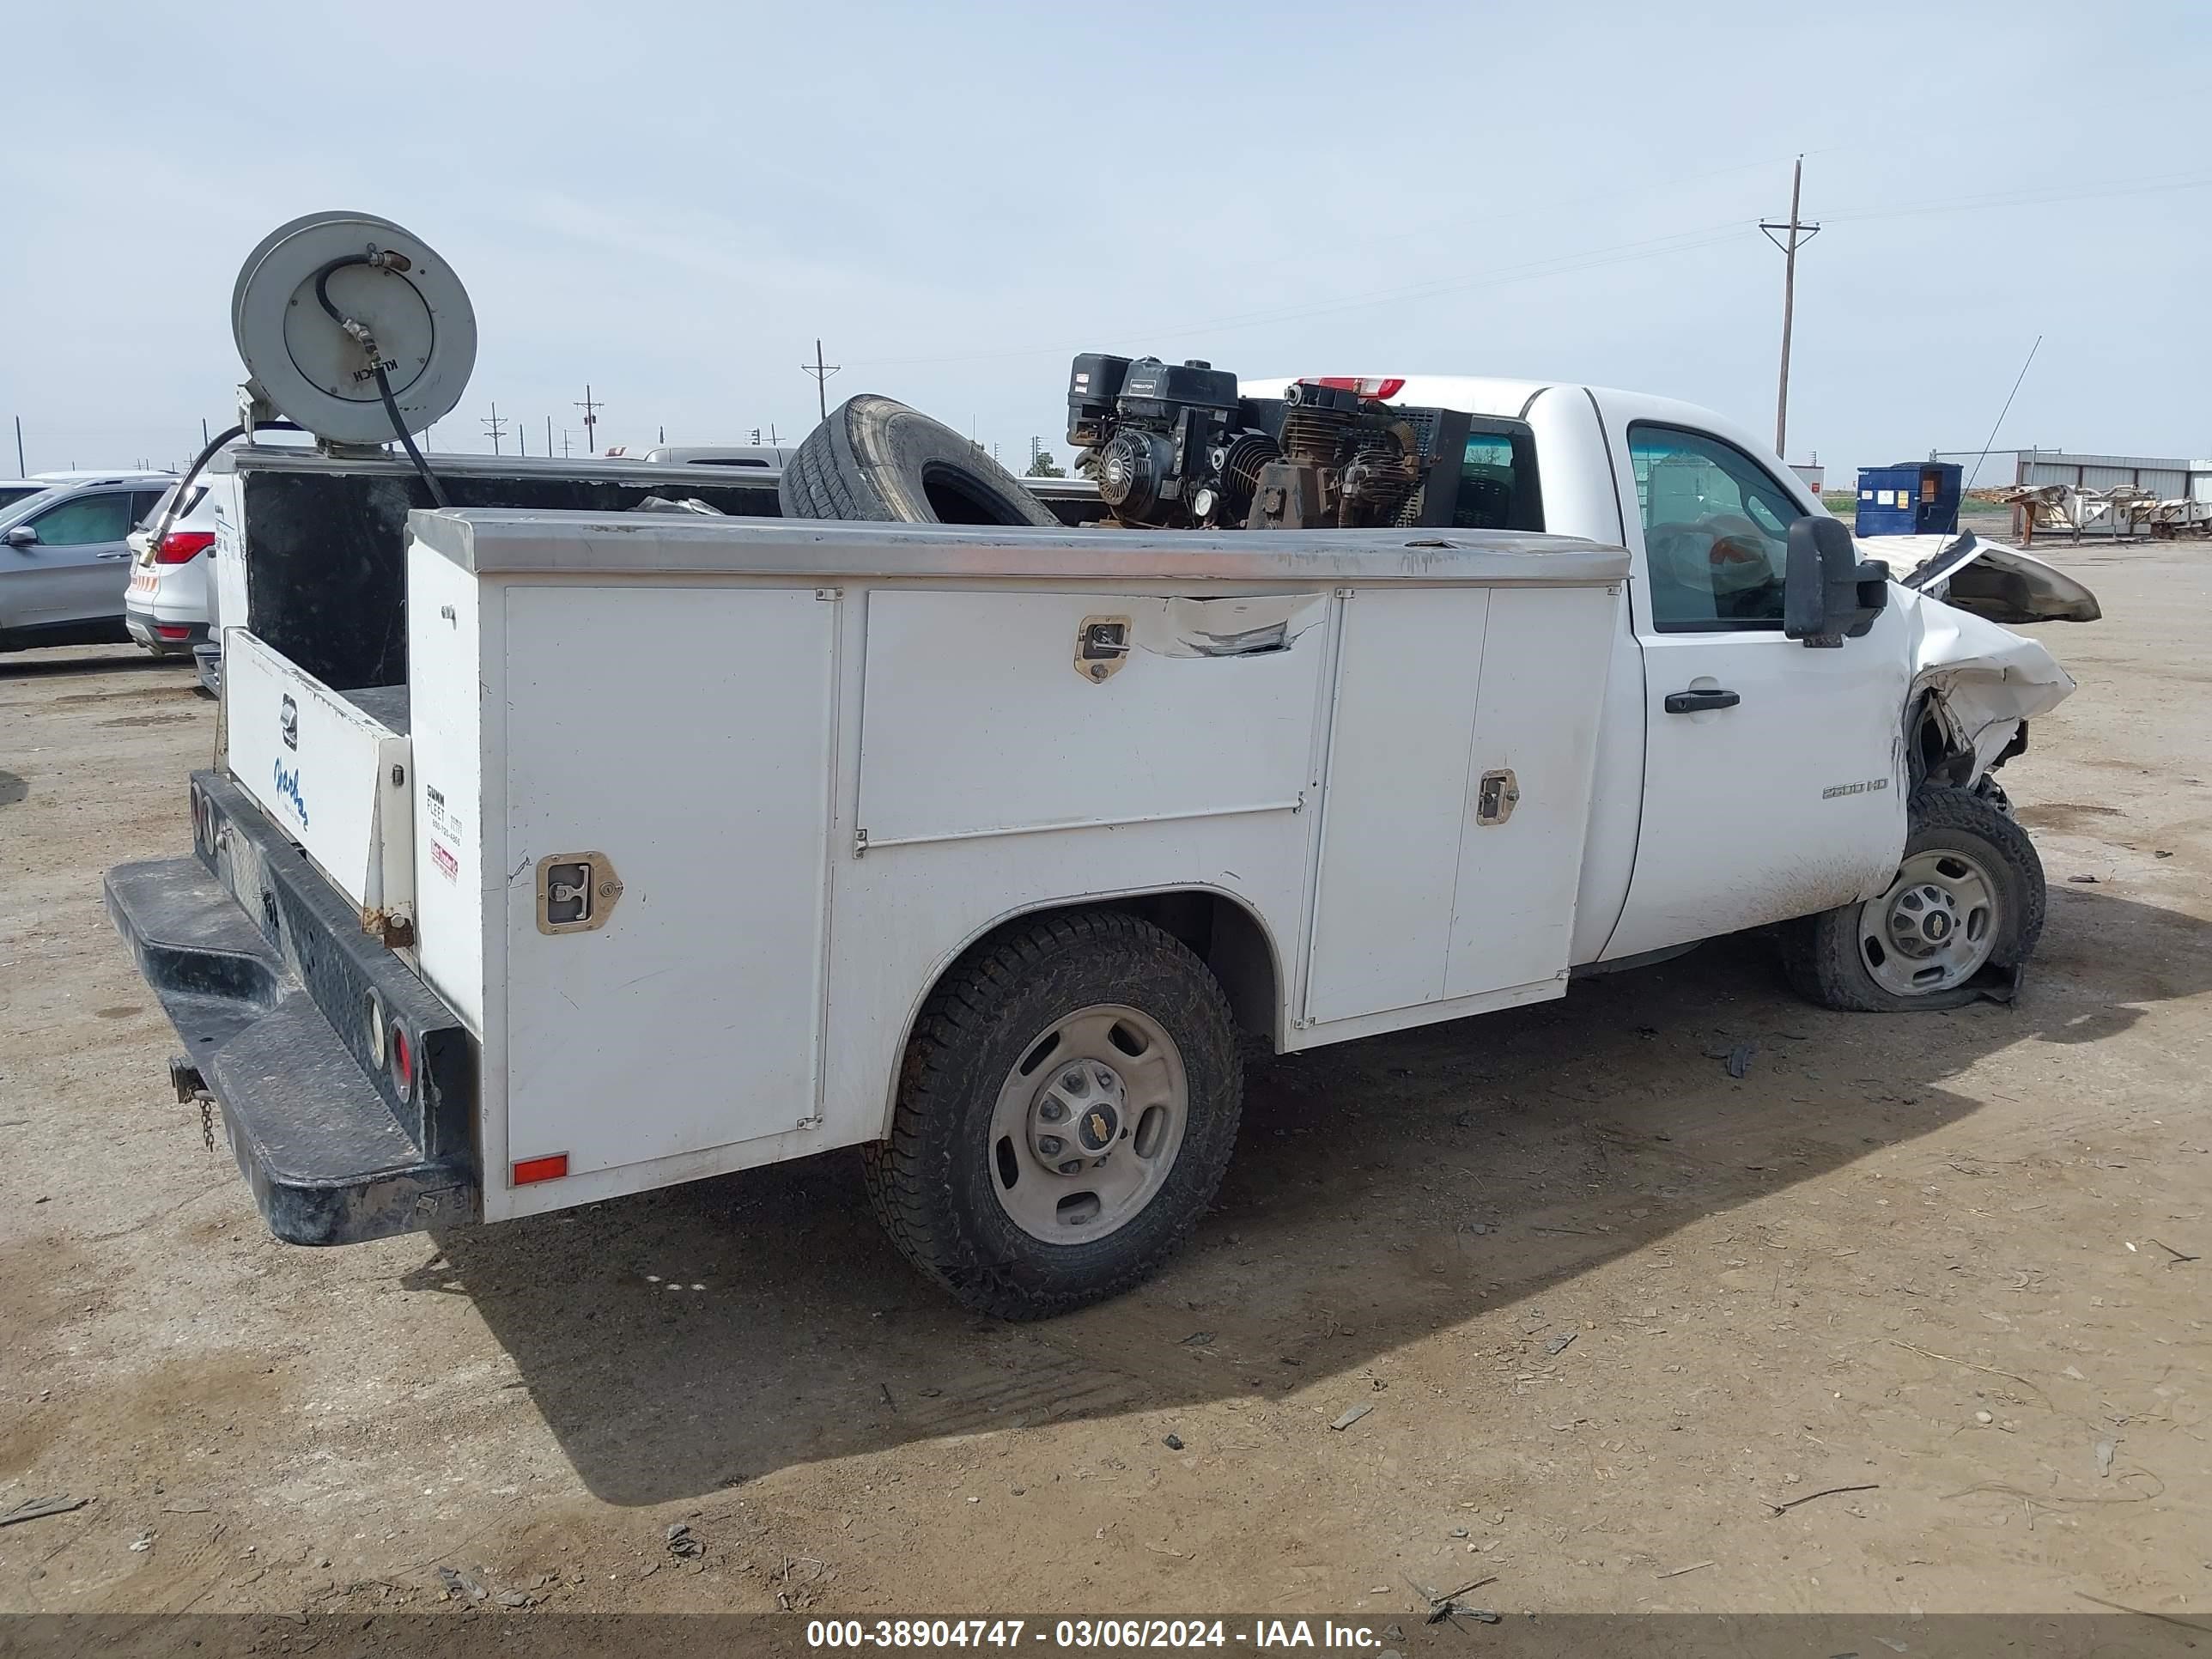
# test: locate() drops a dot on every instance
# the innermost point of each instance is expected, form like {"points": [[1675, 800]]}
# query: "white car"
{"points": [[167, 608]]}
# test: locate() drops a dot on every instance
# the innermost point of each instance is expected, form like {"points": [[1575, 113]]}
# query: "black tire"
{"points": [[932, 1182], [876, 460], [1822, 954]]}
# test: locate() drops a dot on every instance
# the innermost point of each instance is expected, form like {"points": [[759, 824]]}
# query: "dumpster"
{"points": [[1913, 498]]}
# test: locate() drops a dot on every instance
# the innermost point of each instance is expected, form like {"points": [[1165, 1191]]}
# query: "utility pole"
{"points": [[521, 443], [549, 437], [564, 443], [590, 421], [495, 426], [821, 372], [21, 471], [1800, 232]]}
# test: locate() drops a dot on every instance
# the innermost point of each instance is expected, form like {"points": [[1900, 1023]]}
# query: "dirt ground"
{"points": [[1933, 1287]]}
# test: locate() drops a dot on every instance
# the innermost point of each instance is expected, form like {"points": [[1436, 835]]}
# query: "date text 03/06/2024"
{"points": [[1087, 1635]]}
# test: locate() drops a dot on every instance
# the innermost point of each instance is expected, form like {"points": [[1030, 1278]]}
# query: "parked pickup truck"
{"points": [[557, 851]]}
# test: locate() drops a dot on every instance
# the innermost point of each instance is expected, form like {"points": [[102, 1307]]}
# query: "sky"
{"points": [[671, 202]]}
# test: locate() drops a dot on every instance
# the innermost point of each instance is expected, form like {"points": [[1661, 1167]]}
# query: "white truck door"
{"points": [[1774, 773]]}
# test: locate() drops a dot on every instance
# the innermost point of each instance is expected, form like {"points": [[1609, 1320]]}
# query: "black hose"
{"points": [[177, 506], [383, 386]]}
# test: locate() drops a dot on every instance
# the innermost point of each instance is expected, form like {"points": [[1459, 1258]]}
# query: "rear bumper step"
{"points": [[272, 1003]]}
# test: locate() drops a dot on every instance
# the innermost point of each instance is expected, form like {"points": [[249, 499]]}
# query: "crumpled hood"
{"points": [[1989, 678], [1989, 578]]}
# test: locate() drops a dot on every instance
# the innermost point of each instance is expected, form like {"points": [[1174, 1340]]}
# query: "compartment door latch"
{"points": [[1102, 646], [576, 892], [1496, 796]]}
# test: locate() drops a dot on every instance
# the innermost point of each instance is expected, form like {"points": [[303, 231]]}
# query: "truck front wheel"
{"points": [[1067, 1106], [1968, 897]]}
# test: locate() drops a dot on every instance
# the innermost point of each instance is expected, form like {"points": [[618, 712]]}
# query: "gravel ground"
{"points": [[1911, 1317]]}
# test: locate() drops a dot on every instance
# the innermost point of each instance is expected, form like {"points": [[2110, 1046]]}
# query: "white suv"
{"points": [[167, 605]]}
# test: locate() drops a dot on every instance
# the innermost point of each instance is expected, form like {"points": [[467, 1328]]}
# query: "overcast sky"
{"points": [[672, 202]]}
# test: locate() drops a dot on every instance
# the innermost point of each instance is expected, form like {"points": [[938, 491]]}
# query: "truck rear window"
{"points": [[1498, 480]]}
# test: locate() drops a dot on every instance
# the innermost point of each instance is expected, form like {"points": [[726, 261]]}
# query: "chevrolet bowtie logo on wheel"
{"points": [[288, 722]]}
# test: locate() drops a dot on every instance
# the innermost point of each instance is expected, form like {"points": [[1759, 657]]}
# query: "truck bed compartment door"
{"points": [[1407, 671], [1460, 762], [677, 742]]}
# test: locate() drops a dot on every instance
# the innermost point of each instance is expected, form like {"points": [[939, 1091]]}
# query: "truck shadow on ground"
{"points": [[39, 665], [696, 1337]]}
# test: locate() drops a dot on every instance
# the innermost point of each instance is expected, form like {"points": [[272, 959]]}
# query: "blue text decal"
{"points": [[287, 786]]}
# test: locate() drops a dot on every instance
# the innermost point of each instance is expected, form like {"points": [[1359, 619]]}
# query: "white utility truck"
{"points": [[578, 830]]}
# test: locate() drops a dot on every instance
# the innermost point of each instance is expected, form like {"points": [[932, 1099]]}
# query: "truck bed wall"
{"points": [[325, 554]]}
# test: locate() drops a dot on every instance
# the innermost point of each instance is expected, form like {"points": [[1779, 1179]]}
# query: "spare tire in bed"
{"points": [[875, 458]]}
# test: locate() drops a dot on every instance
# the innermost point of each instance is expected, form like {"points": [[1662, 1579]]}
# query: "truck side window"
{"points": [[1715, 532]]}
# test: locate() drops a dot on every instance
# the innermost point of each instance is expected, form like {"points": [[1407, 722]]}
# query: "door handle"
{"points": [[1695, 702]]}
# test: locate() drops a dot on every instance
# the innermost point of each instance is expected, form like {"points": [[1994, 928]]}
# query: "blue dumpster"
{"points": [[1913, 498]]}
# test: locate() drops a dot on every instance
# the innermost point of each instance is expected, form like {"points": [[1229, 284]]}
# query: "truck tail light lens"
{"points": [[1367, 386], [182, 546], [402, 1062], [541, 1169]]}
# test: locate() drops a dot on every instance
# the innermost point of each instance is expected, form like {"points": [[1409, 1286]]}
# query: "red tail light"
{"points": [[1367, 386], [171, 631], [552, 1168], [181, 546], [403, 1063]]}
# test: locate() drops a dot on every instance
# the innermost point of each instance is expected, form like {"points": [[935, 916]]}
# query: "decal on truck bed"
{"points": [[288, 789]]}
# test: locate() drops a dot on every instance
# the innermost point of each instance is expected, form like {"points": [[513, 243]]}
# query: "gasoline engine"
{"points": [[1173, 446]]}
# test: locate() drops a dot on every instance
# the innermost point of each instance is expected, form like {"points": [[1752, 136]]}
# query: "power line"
{"points": [[2001, 413], [2037, 196], [1789, 296], [821, 372], [1681, 241]]}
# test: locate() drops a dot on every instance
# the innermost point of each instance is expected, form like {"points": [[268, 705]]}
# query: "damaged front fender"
{"points": [[1981, 681]]}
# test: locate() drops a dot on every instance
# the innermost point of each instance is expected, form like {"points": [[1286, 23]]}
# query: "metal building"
{"points": [[2168, 480]]}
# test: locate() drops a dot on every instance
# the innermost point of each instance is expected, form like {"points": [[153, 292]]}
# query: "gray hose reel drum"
{"points": [[309, 369]]}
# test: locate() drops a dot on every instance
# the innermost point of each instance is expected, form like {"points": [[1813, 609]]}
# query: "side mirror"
{"points": [[1829, 593], [22, 535]]}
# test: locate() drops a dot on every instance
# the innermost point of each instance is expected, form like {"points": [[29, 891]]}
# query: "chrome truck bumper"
{"points": [[291, 1021]]}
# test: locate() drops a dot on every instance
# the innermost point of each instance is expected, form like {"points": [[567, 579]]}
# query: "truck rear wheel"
{"points": [[1067, 1105], [1968, 896], [874, 458]]}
